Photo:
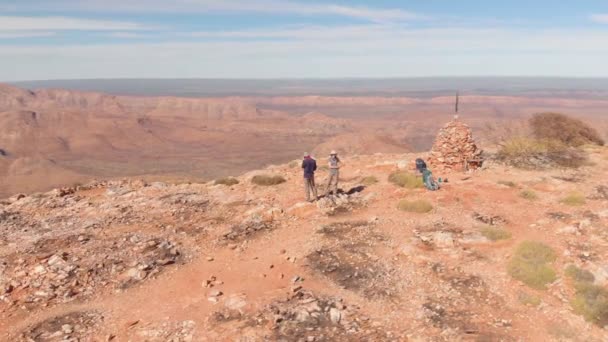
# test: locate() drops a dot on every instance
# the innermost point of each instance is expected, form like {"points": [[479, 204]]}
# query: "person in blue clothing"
{"points": [[427, 176], [309, 165]]}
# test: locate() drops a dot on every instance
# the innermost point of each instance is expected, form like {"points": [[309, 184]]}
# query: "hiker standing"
{"points": [[309, 165], [334, 164]]}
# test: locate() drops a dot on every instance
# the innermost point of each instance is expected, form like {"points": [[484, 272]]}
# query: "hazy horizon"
{"points": [[411, 86]]}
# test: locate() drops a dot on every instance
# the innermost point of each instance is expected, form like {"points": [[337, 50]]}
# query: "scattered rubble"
{"points": [[75, 326]]}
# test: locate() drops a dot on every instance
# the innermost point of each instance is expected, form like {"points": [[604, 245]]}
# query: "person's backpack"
{"points": [[429, 180], [420, 165]]}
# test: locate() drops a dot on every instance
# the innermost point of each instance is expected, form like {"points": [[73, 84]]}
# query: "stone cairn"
{"points": [[455, 149]]}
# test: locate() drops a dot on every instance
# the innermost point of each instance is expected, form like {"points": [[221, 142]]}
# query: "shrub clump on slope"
{"points": [[417, 206], [267, 180], [495, 234], [590, 301], [228, 181], [531, 264], [529, 153], [555, 141], [562, 128], [574, 199], [406, 180]]}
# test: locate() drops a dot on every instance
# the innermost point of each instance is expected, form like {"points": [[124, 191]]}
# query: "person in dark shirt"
{"points": [[309, 165]]}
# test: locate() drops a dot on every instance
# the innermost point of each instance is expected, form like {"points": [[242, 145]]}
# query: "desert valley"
{"points": [[53, 137]]}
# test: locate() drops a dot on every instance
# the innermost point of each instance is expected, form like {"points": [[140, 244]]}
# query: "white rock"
{"points": [[335, 315], [443, 239]]}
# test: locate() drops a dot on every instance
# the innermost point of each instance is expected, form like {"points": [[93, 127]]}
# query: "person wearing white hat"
{"points": [[334, 164]]}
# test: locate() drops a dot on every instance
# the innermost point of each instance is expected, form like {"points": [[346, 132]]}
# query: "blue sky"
{"points": [[69, 39]]}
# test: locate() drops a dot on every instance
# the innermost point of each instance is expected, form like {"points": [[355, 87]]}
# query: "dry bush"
{"points": [[267, 180], [417, 206], [531, 264], [495, 234], [574, 199], [591, 301], [529, 195], [293, 164], [579, 275], [406, 180], [371, 180], [228, 181], [510, 184], [562, 128], [529, 299], [531, 153]]}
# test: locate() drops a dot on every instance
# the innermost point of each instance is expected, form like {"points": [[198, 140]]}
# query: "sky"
{"points": [[76, 39]]}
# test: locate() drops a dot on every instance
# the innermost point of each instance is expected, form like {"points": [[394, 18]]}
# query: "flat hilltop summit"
{"points": [[498, 254]]}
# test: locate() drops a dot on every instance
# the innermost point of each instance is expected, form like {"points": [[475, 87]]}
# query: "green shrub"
{"points": [[406, 180], [495, 234], [510, 184], [228, 181], [562, 128], [371, 180], [530, 264], [267, 180], [574, 199], [416, 206], [591, 301], [529, 195], [579, 275]]}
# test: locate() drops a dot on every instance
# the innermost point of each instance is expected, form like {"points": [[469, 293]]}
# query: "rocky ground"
{"points": [[132, 261]]}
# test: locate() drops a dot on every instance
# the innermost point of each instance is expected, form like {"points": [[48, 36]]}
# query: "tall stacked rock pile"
{"points": [[455, 149]]}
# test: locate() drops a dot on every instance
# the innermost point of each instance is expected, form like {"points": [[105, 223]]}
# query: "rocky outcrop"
{"points": [[454, 148]]}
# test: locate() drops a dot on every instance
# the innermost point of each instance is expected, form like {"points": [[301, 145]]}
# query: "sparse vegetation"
{"points": [[531, 264], [228, 181], [529, 195], [529, 299], [267, 180], [531, 153], [416, 206], [495, 234], [578, 275], [567, 130], [510, 184], [293, 164], [406, 180], [591, 301], [574, 199], [371, 180]]}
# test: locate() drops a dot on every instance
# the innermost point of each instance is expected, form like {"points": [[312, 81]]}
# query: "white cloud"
{"points": [[126, 35], [25, 34], [229, 6], [19, 23], [599, 18], [370, 53]]}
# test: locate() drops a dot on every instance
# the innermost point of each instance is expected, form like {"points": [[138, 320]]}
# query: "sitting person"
{"points": [[427, 175]]}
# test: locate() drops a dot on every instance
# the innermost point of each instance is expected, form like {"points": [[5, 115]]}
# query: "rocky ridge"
{"points": [[131, 260]]}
